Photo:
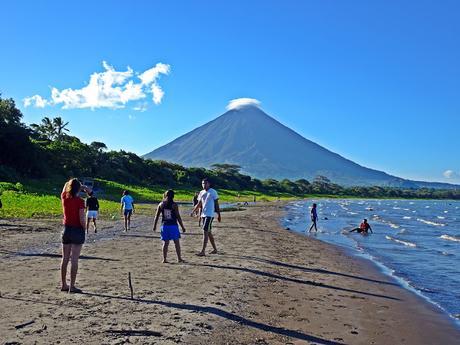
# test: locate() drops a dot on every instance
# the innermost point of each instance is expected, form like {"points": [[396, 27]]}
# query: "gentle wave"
{"points": [[450, 238], [409, 244], [430, 222], [406, 217]]}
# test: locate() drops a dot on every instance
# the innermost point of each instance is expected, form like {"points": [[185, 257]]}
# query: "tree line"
{"points": [[47, 150]]}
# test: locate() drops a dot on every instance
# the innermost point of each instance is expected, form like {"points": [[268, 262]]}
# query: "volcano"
{"points": [[264, 148]]}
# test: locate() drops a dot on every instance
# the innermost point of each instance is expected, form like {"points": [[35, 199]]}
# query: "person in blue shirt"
{"points": [[127, 209], [314, 218]]}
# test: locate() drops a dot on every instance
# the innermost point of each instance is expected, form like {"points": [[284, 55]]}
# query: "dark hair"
{"points": [[168, 198], [314, 205], [205, 179], [125, 192], [72, 188], [365, 219], [90, 193]]}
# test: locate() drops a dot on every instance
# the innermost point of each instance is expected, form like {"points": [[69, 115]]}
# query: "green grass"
{"points": [[41, 199]]}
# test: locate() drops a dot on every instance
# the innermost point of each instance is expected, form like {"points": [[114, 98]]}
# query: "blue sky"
{"points": [[375, 81]]}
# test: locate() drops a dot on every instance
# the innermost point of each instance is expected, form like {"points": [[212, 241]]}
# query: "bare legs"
{"points": [[66, 248], [165, 251], [127, 221], [69, 252], [88, 220], [207, 235]]}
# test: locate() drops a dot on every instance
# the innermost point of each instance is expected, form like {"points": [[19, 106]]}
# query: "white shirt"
{"points": [[207, 198]]}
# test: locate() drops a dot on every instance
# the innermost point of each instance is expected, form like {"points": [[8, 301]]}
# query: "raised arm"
{"points": [[179, 219], [157, 215]]}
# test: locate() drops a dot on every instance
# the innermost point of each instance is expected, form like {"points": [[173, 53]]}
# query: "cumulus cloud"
{"points": [[451, 174], [109, 89], [242, 102], [36, 101]]}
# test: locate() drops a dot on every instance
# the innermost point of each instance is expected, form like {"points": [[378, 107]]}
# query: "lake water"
{"points": [[416, 241]]}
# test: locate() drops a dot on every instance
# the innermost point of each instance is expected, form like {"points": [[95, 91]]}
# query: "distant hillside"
{"points": [[265, 148]]}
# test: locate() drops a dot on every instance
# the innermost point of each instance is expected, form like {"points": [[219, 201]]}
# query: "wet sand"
{"points": [[266, 286]]}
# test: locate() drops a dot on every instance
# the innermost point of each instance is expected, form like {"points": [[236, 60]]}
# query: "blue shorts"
{"points": [[170, 232], [128, 212]]}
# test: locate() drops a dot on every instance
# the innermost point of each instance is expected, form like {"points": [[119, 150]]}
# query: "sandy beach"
{"points": [[266, 285]]}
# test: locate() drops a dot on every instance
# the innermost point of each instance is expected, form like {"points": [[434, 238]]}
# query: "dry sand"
{"points": [[266, 286]]}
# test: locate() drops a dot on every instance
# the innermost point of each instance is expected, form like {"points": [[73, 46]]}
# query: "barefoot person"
{"points": [[314, 218], [92, 208], [127, 208], [169, 229], [73, 235], [364, 228], [209, 204]]}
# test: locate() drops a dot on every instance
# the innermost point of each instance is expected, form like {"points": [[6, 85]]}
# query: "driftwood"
{"points": [[130, 285], [22, 325]]}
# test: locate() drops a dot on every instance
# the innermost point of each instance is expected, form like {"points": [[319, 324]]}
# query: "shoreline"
{"points": [[267, 286], [361, 254]]}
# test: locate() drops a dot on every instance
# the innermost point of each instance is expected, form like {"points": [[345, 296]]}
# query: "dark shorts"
{"points": [[73, 235], [127, 212], [207, 223]]}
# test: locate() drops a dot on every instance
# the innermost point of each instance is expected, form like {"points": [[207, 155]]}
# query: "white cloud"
{"points": [[36, 101], [108, 89], [451, 174], [142, 107], [242, 102]]}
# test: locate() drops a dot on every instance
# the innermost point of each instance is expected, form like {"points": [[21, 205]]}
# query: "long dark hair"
{"points": [[168, 198]]}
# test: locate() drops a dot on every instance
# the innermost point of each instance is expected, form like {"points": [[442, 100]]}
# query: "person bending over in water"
{"points": [[314, 218], [364, 228], [169, 229]]}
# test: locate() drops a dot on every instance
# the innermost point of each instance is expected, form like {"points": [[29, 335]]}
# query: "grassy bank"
{"points": [[41, 199]]}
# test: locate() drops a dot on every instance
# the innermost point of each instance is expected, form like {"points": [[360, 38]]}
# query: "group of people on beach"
{"points": [[363, 228], [76, 223]]}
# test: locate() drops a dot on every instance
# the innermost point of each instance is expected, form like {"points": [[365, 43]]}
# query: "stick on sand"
{"points": [[130, 285]]}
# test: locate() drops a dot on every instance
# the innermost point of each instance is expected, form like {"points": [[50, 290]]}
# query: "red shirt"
{"points": [[364, 226], [71, 208]]}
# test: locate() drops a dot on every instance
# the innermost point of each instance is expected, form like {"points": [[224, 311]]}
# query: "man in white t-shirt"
{"points": [[209, 204]]}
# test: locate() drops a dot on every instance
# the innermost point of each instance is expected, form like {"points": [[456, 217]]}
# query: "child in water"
{"points": [[169, 228]]}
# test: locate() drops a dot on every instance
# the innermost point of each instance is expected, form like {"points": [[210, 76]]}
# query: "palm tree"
{"points": [[45, 128], [59, 127]]}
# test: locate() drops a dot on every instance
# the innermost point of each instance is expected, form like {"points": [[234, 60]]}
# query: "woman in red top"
{"points": [[73, 235]]}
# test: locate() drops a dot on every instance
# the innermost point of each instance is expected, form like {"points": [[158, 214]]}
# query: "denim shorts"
{"points": [[73, 235]]}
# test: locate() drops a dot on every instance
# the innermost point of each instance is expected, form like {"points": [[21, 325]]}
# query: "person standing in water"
{"points": [[169, 229], [209, 204], [314, 218], [364, 228], [73, 235], [92, 208], [127, 208]]}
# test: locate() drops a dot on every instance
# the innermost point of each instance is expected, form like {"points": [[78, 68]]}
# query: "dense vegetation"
{"points": [[47, 152]]}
